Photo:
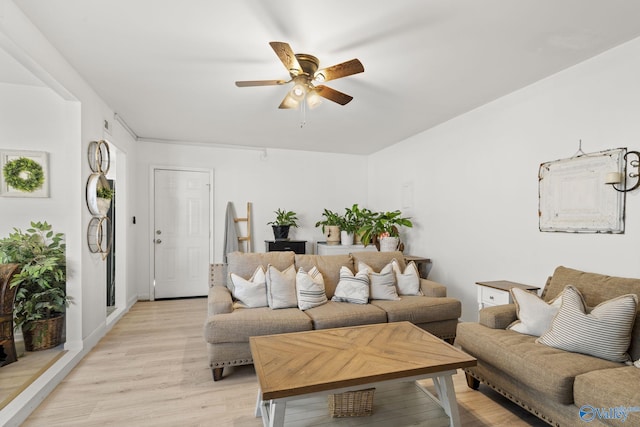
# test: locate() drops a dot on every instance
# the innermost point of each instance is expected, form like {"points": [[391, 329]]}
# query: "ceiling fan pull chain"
{"points": [[303, 113]]}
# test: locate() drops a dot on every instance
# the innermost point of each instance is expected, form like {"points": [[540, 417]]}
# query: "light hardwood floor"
{"points": [[151, 370]]}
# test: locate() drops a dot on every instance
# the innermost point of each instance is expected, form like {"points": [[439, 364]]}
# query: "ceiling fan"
{"points": [[307, 78]]}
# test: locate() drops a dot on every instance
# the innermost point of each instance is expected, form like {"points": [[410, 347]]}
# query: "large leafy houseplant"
{"points": [[41, 282], [383, 224]]}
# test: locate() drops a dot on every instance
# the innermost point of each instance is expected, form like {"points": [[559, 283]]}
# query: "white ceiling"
{"points": [[168, 67]]}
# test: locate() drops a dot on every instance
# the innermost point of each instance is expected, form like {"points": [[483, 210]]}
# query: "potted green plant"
{"points": [[104, 196], [330, 226], [383, 226], [361, 217], [348, 225], [283, 222], [41, 298]]}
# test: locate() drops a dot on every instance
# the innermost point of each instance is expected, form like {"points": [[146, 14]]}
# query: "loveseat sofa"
{"points": [[229, 324], [563, 388]]}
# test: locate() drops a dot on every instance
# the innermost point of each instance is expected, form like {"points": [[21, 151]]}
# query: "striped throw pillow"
{"points": [[350, 288], [310, 288], [604, 332]]}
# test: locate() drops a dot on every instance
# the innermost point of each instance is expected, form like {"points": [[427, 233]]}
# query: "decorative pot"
{"points": [[357, 238], [103, 205], [46, 333], [389, 244], [332, 234], [346, 238], [281, 232]]}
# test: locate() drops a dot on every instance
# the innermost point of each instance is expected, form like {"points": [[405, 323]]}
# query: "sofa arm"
{"points": [[432, 289], [498, 317], [219, 300]]}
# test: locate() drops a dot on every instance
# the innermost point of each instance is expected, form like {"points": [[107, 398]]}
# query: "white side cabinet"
{"points": [[323, 249], [497, 292]]}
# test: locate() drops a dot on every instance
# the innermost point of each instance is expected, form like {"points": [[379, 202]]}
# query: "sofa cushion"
{"points": [[546, 369], [281, 287], [416, 309], [609, 388], [328, 266], [243, 323], [310, 289], [244, 264], [352, 288], [340, 314], [603, 332]]}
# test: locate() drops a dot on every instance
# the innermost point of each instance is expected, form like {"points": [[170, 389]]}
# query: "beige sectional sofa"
{"points": [[560, 387], [228, 326]]}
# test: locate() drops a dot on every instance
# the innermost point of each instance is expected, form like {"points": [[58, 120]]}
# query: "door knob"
{"points": [[158, 241]]}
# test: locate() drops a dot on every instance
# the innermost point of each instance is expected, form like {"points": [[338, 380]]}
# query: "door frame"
{"points": [[152, 216]]}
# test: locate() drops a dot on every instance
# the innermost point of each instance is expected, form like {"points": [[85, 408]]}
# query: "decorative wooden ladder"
{"points": [[247, 219]]}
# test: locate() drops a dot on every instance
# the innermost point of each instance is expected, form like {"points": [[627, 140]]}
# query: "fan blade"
{"points": [[288, 58], [333, 95], [289, 102], [247, 83], [340, 70]]}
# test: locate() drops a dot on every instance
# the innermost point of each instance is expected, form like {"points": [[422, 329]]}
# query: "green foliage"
{"points": [[383, 223], [330, 218], [34, 174], [355, 218], [41, 281], [285, 218], [104, 193]]}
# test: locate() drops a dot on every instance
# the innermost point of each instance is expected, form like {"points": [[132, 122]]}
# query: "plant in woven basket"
{"points": [[41, 282]]}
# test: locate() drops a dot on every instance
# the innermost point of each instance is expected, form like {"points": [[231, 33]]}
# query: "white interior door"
{"points": [[181, 233]]}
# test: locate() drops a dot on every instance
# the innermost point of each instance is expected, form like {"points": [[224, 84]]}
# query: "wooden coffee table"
{"points": [[330, 361]]}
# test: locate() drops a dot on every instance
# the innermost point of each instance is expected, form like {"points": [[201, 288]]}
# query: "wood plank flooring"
{"points": [[151, 370]]}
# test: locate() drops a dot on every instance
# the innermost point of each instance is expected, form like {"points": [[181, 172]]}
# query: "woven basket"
{"points": [[45, 334], [352, 403]]}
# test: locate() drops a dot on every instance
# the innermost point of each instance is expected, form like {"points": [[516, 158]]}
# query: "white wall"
{"points": [[304, 182], [475, 179]]}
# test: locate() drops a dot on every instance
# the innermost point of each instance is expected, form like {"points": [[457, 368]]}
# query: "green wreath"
{"points": [[14, 169]]}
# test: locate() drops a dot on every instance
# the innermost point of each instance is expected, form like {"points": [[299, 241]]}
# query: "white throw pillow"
{"points": [[281, 287], [409, 281], [534, 314], [605, 332], [253, 292], [352, 288], [310, 289]]}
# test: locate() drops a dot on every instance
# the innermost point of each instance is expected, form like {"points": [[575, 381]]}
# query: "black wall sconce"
{"points": [[614, 178]]}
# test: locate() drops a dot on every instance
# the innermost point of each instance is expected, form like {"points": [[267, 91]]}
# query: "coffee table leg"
{"points": [[447, 397], [259, 404]]}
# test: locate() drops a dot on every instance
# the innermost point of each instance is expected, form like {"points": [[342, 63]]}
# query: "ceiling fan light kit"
{"points": [[304, 73]]}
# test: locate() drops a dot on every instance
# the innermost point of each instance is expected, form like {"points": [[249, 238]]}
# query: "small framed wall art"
{"points": [[24, 173]]}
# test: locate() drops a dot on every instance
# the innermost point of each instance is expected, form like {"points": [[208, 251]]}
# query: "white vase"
{"points": [[346, 238], [389, 244], [332, 234]]}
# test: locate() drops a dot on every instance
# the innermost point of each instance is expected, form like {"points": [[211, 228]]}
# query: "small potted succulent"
{"points": [[283, 222], [331, 226], [382, 230]]}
